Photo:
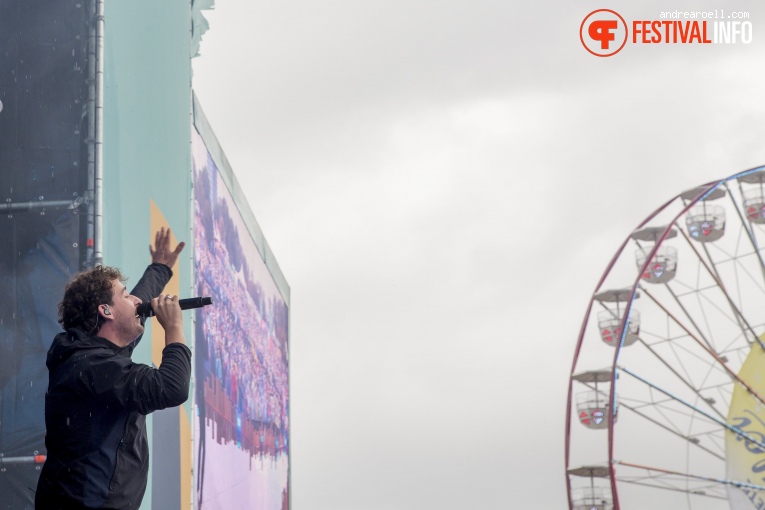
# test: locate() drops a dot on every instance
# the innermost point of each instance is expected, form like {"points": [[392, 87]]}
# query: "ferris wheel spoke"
{"points": [[714, 482], [669, 424], [685, 311], [710, 351], [701, 298], [739, 265], [713, 273], [722, 423], [692, 440], [682, 378], [698, 337], [702, 490], [673, 415], [704, 384]]}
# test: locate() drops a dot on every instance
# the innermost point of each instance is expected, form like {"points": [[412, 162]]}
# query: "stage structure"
{"points": [[101, 143], [667, 395], [47, 158]]}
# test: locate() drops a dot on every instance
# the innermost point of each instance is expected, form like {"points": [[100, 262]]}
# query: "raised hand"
{"points": [[161, 253]]}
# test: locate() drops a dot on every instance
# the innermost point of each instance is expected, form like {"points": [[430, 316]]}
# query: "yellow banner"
{"points": [[745, 460]]}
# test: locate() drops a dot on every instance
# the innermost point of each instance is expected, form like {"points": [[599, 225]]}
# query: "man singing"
{"points": [[98, 398]]}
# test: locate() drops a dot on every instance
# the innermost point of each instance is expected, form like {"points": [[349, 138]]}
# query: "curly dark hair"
{"points": [[82, 296]]}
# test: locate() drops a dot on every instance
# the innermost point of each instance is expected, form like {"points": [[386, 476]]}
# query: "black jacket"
{"points": [[95, 414]]}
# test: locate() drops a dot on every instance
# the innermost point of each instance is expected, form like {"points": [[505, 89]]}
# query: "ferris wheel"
{"points": [[666, 399]]}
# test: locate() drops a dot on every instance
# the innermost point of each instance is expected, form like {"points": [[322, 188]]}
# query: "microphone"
{"points": [[145, 309]]}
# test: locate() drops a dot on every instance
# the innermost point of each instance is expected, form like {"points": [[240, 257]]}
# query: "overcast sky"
{"points": [[443, 183]]}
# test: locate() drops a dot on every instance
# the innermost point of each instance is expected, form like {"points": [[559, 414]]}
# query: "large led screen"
{"points": [[241, 357]]}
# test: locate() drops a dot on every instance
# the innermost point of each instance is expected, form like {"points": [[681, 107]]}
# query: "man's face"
{"points": [[123, 309]]}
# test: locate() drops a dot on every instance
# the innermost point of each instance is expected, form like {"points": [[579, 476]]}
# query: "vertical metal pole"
{"points": [[99, 143], [90, 193]]}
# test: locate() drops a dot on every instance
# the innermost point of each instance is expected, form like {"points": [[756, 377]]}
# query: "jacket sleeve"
{"points": [[150, 285], [139, 387], [152, 282]]}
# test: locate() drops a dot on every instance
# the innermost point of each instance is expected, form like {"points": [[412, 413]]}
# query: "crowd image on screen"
{"points": [[242, 351]]}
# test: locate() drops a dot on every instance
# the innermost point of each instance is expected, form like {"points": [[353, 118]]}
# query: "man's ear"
{"points": [[104, 309]]}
